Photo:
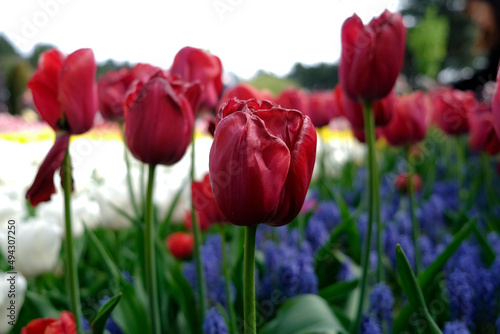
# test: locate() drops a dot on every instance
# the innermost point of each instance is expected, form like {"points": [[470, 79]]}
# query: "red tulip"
{"points": [[452, 109], [372, 56], [191, 64], [261, 162], [159, 118], [65, 324], [322, 108], [407, 125], [496, 107], [401, 183], [243, 91], [205, 204], [482, 134], [353, 111], [293, 98], [180, 244], [65, 94], [113, 86]]}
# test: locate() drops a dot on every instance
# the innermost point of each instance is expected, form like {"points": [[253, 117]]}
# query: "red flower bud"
{"points": [[191, 64], [407, 125], [244, 91], [401, 183], [452, 109], [205, 204], [372, 56], [322, 108], [261, 162], [294, 98], [65, 324], [180, 244], [496, 107], [159, 118], [482, 134]]}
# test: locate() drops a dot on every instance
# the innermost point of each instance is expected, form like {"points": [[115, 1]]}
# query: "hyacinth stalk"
{"points": [[71, 265], [150, 256], [372, 211]]}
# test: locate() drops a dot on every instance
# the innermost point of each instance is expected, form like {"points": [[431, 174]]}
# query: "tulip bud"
{"points": [[452, 109], [180, 244], [322, 108], [482, 134], [496, 107], [401, 183], [261, 162], [65, 324], [243, 91], [372, 56]]}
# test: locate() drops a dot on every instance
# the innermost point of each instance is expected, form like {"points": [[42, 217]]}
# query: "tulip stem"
{"points": [[150, 256], [129, 175], [460, 164], [414, 222], [249, 281], [372, 211], [227, 278], [490, 195], [197, 243], [71, 265]]}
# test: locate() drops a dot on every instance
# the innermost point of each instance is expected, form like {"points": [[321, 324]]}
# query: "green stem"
{"points": [[71, 265], [129, 175], [414, 222], [380, 249], [249, 281], [460, 165], [488, 182], [227, 278], [372, 211], [197, 243], [150, 256]]}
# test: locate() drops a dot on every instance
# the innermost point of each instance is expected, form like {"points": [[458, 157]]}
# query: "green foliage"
{"points": [[428, 40], [16, 81], [264, 80], [320, 76]]}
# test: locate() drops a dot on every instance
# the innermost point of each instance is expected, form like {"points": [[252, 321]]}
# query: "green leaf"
{"points": [[130, 314], [338, 290], [108, 261], [42, 305], [489, 254], [412, 289], [163, 229], [99, 322], [303, 315]]}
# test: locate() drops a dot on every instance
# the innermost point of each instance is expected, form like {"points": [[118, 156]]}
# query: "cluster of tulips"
{"points": [[262, 156]]}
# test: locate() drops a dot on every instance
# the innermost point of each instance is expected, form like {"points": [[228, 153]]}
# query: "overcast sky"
{"points": [[247, 35]]}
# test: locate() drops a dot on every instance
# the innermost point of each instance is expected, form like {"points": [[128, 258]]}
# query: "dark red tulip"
{"points": [[496, 107], [205, 204], [191, 64], [401, 183], [261, 162], [243, 91], [353, 111], [452, 109], [482, 134], [372, 56], [407, 125], [180, 245], [294, 98], [159, 118], [113, 86], [65, 94], [65, 324], [322, 108]]}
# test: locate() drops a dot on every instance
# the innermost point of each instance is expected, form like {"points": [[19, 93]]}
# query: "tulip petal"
{"points": [[44, 86], [78, 90], [38, 326], [43, 186], [248, 169]]}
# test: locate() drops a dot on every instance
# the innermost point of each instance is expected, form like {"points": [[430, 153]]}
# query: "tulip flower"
{"points": [[159, 118], [372, 56], [261, 162], [294, 98], [180, 244], [243, 91], [482, 134], [6, 312], [38, 246], [496, 107], [322, 108], [353, 111], [65, 94], [113, 86], [191, 64], [452, 109], [65, 324], [205, 204], [407, 125], [401, 183]]}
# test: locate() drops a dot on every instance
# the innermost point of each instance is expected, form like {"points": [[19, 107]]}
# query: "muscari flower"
{"points": [[214, 323]]}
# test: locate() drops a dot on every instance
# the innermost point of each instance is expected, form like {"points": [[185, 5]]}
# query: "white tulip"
{"points": [[37, 245], [112, 196], [12, 291]]}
